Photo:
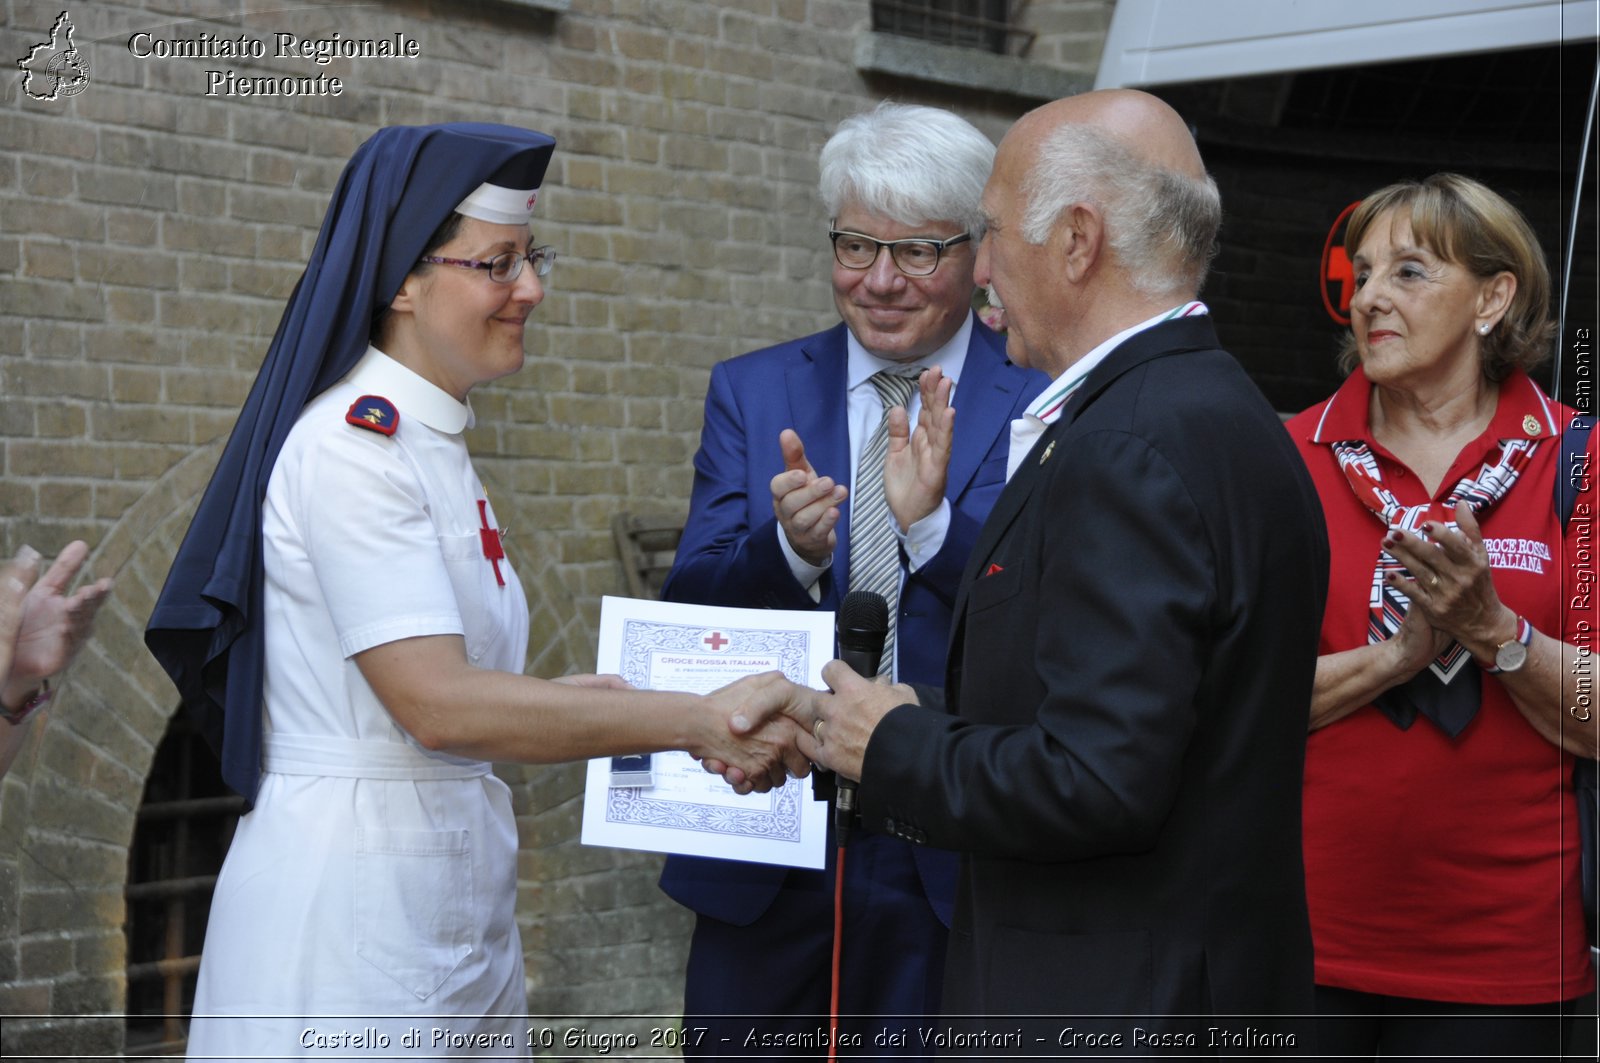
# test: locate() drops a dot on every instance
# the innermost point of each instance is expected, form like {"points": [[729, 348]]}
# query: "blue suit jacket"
{"points": [[729, 554]]}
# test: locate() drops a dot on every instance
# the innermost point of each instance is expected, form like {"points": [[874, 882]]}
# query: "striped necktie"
{"points": [[874, 549]]}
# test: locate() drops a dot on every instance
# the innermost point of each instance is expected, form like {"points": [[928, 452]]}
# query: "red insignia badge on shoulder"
{"points": [[374, 413]]}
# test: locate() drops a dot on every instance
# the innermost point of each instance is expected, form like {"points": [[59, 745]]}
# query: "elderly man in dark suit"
{"points": [[1118, 747], [806, 488]]}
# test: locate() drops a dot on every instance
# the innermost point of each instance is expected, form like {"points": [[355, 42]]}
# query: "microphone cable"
{"points": [[862, 627], [838, 941]]}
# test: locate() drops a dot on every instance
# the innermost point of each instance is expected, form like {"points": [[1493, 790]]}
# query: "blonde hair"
{"points": [[1465, 222]]}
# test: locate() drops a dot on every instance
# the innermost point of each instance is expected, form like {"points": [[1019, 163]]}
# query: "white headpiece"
{"points": [[500, 205]]}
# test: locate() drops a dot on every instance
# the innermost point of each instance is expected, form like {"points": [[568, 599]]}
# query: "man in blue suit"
{"points": [[786, 459]]}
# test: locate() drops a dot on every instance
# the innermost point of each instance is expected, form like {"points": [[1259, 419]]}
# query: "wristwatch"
{"points": [[1513, 653], [34, 700]]}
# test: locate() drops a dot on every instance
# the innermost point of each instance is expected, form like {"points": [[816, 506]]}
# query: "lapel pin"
{"points": [[1047, 449], [1530, 424]]}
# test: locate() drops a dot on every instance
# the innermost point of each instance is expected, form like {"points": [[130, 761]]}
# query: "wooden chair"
{"points": [[647, 545]]}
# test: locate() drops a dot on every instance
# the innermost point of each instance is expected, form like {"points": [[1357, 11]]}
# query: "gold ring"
{"points": [[1433, 580], [816, 732]]}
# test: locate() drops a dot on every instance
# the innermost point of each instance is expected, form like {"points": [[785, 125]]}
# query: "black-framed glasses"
{"points": [[504, 268], [916, 257]]}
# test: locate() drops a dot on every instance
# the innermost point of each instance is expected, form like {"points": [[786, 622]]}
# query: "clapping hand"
{"points": [[42, 627], [1451, 583], [916, 463], [806, 505]]}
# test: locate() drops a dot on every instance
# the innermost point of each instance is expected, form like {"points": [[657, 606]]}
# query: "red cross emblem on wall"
{"points": [[1338, 280]]}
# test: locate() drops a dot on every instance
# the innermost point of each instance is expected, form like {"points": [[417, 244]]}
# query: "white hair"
{"points": [[1161, 225], [910, 163]]}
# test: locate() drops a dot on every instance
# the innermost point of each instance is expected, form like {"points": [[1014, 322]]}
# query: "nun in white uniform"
{"points": [[366, 906]]}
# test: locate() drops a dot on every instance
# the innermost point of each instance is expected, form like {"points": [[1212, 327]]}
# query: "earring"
{"points": [[1483, 329]]}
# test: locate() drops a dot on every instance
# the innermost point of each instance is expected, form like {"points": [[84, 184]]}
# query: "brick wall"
{"points": [[1070, 33], [149, 235]]}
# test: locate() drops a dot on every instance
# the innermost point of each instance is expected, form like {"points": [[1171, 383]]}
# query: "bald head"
{"points": [[1132, 156], [1145, 126]]}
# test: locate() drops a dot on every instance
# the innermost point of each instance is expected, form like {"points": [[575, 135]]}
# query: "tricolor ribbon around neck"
{"points": [[1046, 408]]}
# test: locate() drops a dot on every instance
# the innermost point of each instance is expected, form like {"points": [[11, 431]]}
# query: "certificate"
{"points": [[679, 807]]}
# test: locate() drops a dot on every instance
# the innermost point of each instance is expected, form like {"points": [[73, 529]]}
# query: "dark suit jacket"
{"points": [[1130, 680], [730, 555]]}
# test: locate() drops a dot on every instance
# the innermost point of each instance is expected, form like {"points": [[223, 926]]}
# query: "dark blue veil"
{"points": [[400, 185]]}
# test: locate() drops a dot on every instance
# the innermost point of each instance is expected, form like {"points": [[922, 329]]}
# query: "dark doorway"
{"points": [[1291, 151]]}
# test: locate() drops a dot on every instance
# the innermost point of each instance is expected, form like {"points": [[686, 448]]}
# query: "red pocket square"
{"points": [[992, 569]]}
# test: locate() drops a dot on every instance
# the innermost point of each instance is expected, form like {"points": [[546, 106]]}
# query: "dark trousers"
{"points": [[762, 990], [1370, 1025]]}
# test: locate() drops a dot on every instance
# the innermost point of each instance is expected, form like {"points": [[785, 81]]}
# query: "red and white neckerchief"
{"points": [[1387, 606], [494, 550]]}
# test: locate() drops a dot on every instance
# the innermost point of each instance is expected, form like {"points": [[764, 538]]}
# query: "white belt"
{"points": [[350, 758]]}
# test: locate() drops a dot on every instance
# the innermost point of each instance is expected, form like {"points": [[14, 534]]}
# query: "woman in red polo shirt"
{"points": [[1452, 692]]}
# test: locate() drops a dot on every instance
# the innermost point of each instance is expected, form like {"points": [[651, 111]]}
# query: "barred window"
{"points": [[183, 829], [987, 25]]}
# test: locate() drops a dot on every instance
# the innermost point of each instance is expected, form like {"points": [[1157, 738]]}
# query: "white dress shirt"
{"points": [[1045, 410]]}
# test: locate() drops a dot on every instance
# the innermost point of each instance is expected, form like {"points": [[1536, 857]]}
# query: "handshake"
{"points": [[772, 728]]}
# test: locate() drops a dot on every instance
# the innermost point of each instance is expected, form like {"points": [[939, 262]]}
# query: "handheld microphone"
{"points": [[862, 627]]}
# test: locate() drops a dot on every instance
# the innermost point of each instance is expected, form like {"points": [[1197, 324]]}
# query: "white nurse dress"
{"points": [[366, 906]]}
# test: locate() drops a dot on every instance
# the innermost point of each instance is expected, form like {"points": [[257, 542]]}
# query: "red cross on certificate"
{"points": [[493, 549], [715, 640]]}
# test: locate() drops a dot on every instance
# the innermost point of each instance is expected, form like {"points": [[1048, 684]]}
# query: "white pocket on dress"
{"points": [[413, 904], [472, 576]]}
